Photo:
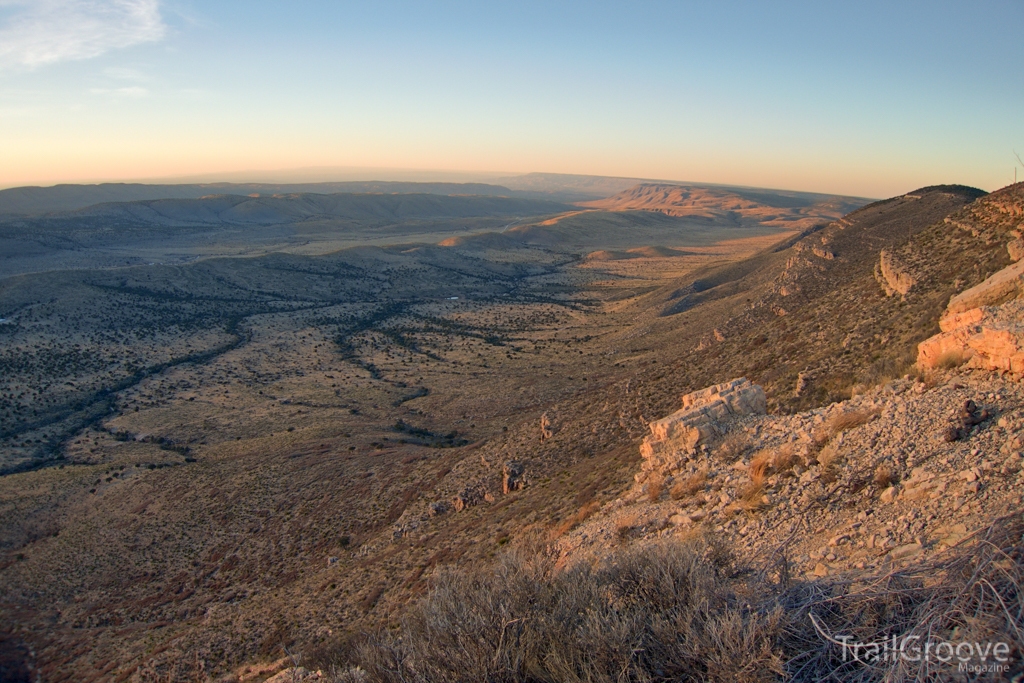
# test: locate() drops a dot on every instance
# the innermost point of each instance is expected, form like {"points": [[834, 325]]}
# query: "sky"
{"points": [[868, 98]]}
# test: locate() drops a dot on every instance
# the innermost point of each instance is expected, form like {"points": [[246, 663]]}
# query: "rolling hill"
{"points": [[68, 197], [730, 206]]}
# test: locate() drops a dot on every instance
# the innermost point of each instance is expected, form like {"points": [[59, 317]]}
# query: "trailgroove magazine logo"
{"points": [[968, 656]]}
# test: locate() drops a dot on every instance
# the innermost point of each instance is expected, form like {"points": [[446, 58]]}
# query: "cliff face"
{"points": [[893, 276]]}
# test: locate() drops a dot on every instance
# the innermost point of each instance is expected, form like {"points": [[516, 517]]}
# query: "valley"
{"points": [[210, 465]]}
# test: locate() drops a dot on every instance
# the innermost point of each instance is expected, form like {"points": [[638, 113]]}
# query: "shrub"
{"points": [[840, 422], [689, 486], [681, 612], [951, 359], [661, 613], [573, 521], [654, 487]]}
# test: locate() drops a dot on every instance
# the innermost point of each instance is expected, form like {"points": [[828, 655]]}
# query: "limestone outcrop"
{"points": [[704, 412], [982, 326], [1005, 285], [990, 338], [513, 477], [893, 276]]}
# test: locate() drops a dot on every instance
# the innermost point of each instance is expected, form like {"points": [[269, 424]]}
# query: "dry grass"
{"points": [[672, 612], [661, 613], [828, 455], [841, 422], [785, 458], [951, 359], [750, 496], [654, 487], [689, 486], [760, 465], [971, 593], [764, 463], [734, 445], [577, 518]]}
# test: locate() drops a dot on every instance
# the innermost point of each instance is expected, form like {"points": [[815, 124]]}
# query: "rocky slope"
{"points": [[896, 472], [855, 462], [874, 480]]}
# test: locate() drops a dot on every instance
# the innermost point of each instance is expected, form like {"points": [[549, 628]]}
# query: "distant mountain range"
{"points": [[551, 186], [36, 200]]}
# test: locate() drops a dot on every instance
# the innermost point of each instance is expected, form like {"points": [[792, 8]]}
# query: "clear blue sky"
{"points": [[860, 98]]}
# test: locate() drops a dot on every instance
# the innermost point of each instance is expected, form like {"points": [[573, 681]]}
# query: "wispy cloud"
{"points": [[39, 32]]}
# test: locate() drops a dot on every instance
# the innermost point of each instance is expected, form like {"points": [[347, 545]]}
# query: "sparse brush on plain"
{"points": [[689, 486]]}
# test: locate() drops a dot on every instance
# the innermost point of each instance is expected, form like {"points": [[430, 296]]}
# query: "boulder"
{"points": [[1015, 248], [512, 477], [703, 412], [469, 496], [989, 338]]}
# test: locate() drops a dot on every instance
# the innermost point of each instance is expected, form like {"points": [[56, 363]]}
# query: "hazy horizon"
{"points": [[329, 175]]}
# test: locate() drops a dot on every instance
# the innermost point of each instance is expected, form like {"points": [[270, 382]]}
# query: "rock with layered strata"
{"points": [[1004, 286], [989, 338], [894, 277], [704, 412]]}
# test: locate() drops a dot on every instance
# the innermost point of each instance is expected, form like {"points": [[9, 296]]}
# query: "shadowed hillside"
{"points": [[180, 230], [36, 200]]}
